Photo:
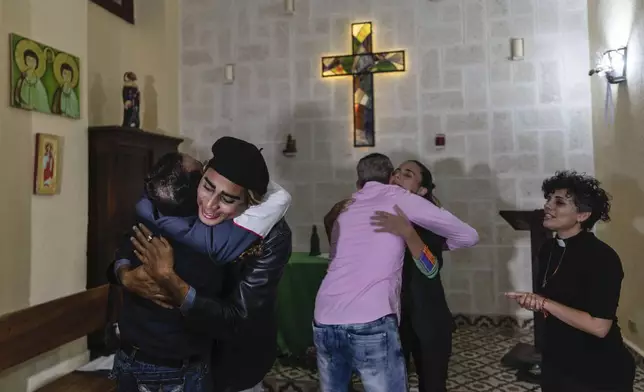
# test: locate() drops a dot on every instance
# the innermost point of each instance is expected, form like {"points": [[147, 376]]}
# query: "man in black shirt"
{"points": [[246, 315]]}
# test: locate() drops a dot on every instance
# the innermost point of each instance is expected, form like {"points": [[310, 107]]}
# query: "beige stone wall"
{"points": [[619, 151], [149, 49], [43, 238], [508, 124]]}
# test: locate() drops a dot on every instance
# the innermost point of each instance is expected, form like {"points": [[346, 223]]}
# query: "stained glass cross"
{"points": [[362, 64]]}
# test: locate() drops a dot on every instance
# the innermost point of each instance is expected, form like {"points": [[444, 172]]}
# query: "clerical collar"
{"points": [[563, 242]]}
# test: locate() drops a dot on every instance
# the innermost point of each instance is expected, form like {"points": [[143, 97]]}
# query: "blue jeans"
{"points": [[135, 376], [372, 349]]}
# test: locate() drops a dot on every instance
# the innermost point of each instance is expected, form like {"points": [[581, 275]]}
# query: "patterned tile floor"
{"points": [[475, 366]]}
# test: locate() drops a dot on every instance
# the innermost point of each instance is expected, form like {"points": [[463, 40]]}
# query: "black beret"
{"points": [[240, 162]]}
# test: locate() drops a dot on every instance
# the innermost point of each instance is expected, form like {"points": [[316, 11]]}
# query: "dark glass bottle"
{"points": [[315, 242]]}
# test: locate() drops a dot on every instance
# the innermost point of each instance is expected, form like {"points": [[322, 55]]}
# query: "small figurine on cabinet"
{"points": [[131, 101]]}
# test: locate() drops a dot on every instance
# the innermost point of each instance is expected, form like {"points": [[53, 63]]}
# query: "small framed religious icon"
{"points": [[46, 167]]}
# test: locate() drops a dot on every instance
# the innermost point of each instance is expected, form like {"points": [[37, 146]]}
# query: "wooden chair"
{"points": [[29, 332]]}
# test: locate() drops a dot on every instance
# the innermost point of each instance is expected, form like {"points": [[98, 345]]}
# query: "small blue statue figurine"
{"points": [[131, 101]]}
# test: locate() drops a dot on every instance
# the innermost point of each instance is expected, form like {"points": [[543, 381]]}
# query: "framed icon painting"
{"points": [[47, 164]]}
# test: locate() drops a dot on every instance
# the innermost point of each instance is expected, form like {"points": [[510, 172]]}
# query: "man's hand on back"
{"points": [[139, 282], [154, 252], [158, 260]]}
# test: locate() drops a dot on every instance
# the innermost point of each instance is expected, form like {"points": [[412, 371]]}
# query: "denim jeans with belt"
{"points": [[371, 349], [136, 376]]}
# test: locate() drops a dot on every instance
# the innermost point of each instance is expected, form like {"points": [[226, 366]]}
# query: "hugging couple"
{"points": [[200, 271]]}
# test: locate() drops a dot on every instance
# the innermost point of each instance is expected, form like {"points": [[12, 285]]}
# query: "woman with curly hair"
{"points": [[580, 280]]}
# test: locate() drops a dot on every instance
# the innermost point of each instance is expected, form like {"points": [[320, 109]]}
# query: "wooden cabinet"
{"points": [[119, 158]]}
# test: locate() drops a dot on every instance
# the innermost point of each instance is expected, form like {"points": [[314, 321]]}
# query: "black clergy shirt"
{"points": [[588, 278]]}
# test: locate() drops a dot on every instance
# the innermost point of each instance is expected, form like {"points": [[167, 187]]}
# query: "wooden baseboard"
{"points": [[637, 352], [59, 370]]}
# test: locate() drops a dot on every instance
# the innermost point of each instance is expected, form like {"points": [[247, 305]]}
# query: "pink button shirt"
{"points": [[364, 277]]}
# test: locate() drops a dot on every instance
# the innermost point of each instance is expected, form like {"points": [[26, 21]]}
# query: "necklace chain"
{"points": [[545, 276]]}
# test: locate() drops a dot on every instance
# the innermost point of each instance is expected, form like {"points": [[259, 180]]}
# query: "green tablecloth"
{"points": [[296, 301]]}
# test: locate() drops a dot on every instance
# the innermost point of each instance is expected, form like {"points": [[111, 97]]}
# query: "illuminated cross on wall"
{"points": [[362, 64]]}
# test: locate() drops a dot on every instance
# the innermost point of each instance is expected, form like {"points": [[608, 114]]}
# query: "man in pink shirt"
{"points": [[358, 304]]}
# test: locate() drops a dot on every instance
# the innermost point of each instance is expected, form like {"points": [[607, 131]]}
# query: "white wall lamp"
{"points": [[229, 73], [516, 49], [611, 63], [289, 7]]}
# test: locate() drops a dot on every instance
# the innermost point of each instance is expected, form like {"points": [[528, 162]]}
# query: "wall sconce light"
{"points": [[612, 63], [289, 7], [229, 73], [516, 49], [290, 149]]}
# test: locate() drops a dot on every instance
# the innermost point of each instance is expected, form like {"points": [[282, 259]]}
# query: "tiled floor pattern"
{"points": [[475, 367]]}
